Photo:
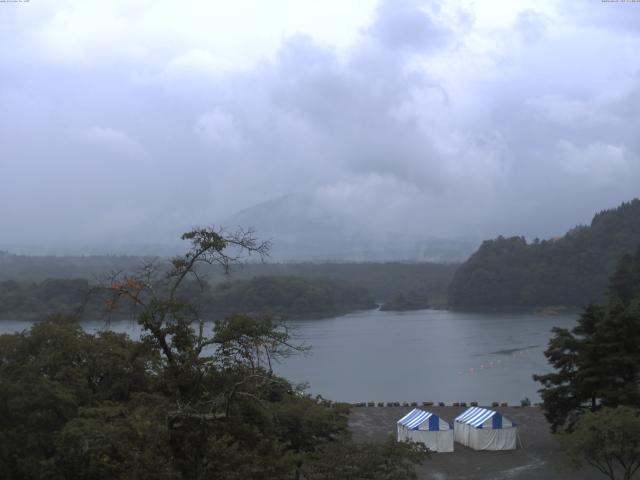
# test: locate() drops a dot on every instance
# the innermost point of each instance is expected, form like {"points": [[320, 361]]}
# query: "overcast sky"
{"points": [[129, 121]]}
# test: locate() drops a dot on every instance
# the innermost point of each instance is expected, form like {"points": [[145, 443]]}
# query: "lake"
{"points": [[426, 355]]}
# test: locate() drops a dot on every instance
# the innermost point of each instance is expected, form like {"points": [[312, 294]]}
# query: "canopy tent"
{"points": [[428, 428], [483, 429]]}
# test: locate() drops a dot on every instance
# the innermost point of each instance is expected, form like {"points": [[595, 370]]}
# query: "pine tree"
{"points": [[597, 362]]}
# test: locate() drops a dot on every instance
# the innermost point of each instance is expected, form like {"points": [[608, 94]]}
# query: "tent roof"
{"points": [[415, 418], [475, 416]]}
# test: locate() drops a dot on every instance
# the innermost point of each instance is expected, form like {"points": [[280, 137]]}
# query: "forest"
{"points": [[383, 280], [570, 271], [591, 399], [280, 297], [411, 300], [188, 400], [34, 287], [288, 297]]}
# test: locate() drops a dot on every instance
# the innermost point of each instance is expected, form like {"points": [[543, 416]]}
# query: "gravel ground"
{"points": [[538, 458]]}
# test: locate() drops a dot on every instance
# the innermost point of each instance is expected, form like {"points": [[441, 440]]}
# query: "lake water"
{"points": [[434, 355]]}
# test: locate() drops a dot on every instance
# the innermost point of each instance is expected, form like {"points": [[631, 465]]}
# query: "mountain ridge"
{"points": [[572, 270]]}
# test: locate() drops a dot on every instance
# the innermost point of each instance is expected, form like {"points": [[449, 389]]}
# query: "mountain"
{"points": [[572, 270], [302, 228]]}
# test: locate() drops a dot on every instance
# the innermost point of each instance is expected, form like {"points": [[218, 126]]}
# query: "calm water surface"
{"points": [[425, 355], [432, 355]]}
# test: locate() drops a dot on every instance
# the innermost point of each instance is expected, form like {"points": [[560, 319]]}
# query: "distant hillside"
{"points": [[384, 280], [283, 297], [32, 301], [405, 302], [572, 270], [26, 268], [287, 297]]}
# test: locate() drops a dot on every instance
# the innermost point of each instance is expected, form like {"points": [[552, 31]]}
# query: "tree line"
{"points": [[383, 281], [183, 402], [592, 399], [572, 270], [282, 297]]}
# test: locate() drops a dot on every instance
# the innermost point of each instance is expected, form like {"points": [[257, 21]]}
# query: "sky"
{"points": [[127, 122]]}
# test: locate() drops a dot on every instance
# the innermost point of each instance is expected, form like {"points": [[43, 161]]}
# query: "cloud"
{"points": [[597, 163], [219, 129], [531, 25], [115, 140], [448, 118], [405, 25], [622, 17], [572, 113]]}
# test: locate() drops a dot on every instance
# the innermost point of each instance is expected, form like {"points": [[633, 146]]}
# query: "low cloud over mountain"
{"points": [[128, 122]]}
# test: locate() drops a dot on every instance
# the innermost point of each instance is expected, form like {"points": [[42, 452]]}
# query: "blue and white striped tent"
{"points": [[426, 427], [483, 429]]}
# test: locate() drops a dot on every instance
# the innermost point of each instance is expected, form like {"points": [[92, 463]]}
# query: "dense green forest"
{"points": [[102, 406], [592, 398], [34, 301], [23, 277], [412, 300], [282, 297], [383, 280], [598, 361], [572, 270], [287, 297], [186, 401]]}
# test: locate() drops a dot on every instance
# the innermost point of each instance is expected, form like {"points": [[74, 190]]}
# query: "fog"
{"points": [[353, 130]]}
